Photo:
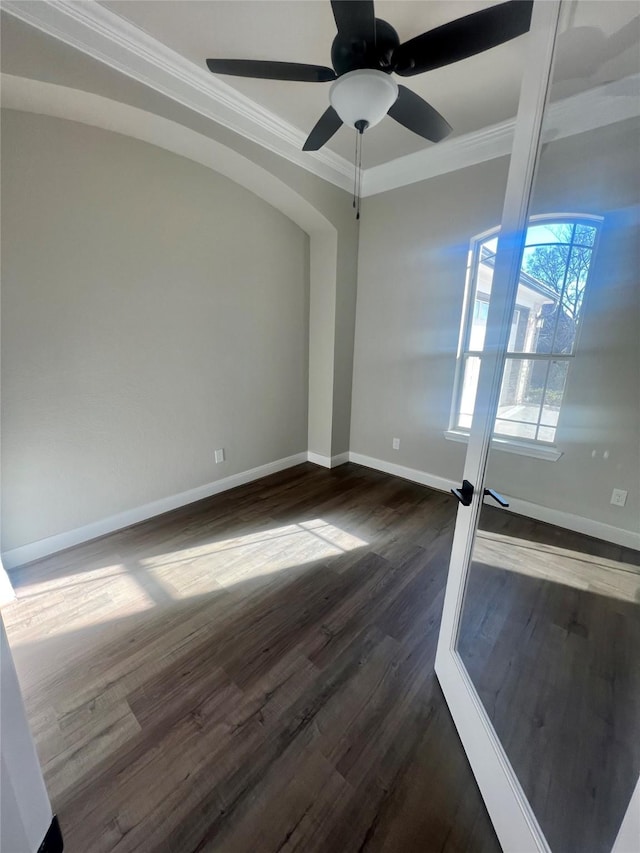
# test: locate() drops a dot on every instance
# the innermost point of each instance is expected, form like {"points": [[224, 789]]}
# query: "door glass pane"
{"points": [[550, 625]]}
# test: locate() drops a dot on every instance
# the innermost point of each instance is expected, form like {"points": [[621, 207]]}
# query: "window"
{"points": [[544, 327]]}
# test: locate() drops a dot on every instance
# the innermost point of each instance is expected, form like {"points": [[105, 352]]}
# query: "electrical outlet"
{"points": [[396, 444], [219, 455], [618, 497]]}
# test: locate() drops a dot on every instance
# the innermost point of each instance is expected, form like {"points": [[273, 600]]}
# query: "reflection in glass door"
{"points": [[549, 631]]}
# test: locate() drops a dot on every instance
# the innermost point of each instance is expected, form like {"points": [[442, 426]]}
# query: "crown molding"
{"points": [[604, 105], [103, 35], [457, 153]]}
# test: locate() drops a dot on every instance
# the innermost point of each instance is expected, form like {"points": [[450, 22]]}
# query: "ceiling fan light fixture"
{"points": [[364, 95]]}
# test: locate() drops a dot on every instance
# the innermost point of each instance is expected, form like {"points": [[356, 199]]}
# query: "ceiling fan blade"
{"points": [[266, 70], [355, 20], [419, 116], [465, 37], [326, 126]]}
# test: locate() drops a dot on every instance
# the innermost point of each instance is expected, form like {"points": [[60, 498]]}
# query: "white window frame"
{"points": [[537, 448]]}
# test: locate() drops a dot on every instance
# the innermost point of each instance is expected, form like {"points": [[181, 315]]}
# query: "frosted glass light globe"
{"points": [[363, 95]]}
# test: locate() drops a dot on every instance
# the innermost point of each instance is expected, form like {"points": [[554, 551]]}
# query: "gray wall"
{"points": [[29, 53], [152, 312], [412, 260]]}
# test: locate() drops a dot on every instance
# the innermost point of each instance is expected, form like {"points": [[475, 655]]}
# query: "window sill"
{"points": [[523, 448]]}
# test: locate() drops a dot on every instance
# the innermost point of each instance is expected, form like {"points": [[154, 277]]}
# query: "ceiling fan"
{"points": [[367, 50]]}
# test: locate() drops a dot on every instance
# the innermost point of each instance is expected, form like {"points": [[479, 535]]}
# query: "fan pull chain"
{"points": [[359, 172], [355, 171], [361, 126]]}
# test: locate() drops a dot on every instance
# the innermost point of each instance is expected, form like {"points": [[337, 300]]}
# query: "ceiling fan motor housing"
{"points": [[349, 54]]}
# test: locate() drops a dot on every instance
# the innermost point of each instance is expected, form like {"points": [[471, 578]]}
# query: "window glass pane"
{"points": [[478, 324], [516, 326], [515, 430], [543, 233], [469, 388], [482, 294], [545, 267], [568, 315], [552, 286], [533, 323], [556, 381], [585, 235], [491, 246], [523, 384], [541, 283]]}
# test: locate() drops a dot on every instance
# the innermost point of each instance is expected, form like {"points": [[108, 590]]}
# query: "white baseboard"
{"points": [[414, 474], [52, 544], [318, 459], [327, 461], [340, 459], [577, 523]]}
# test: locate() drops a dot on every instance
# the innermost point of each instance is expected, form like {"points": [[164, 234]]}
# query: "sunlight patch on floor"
{"points": [[64, 583], [89, 600], [139, 583], [238, 559]]}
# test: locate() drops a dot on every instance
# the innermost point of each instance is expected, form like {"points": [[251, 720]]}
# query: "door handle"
{"points": [[496, 496], [464, 493]]}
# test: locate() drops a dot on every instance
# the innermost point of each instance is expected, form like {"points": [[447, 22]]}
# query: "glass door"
{"points": [[539, 652]]}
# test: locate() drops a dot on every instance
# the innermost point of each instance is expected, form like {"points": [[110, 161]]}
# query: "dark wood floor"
{"points": [[254, 673]]}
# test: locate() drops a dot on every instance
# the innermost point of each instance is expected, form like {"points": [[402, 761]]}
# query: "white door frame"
{"points": [[514, 821]]}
